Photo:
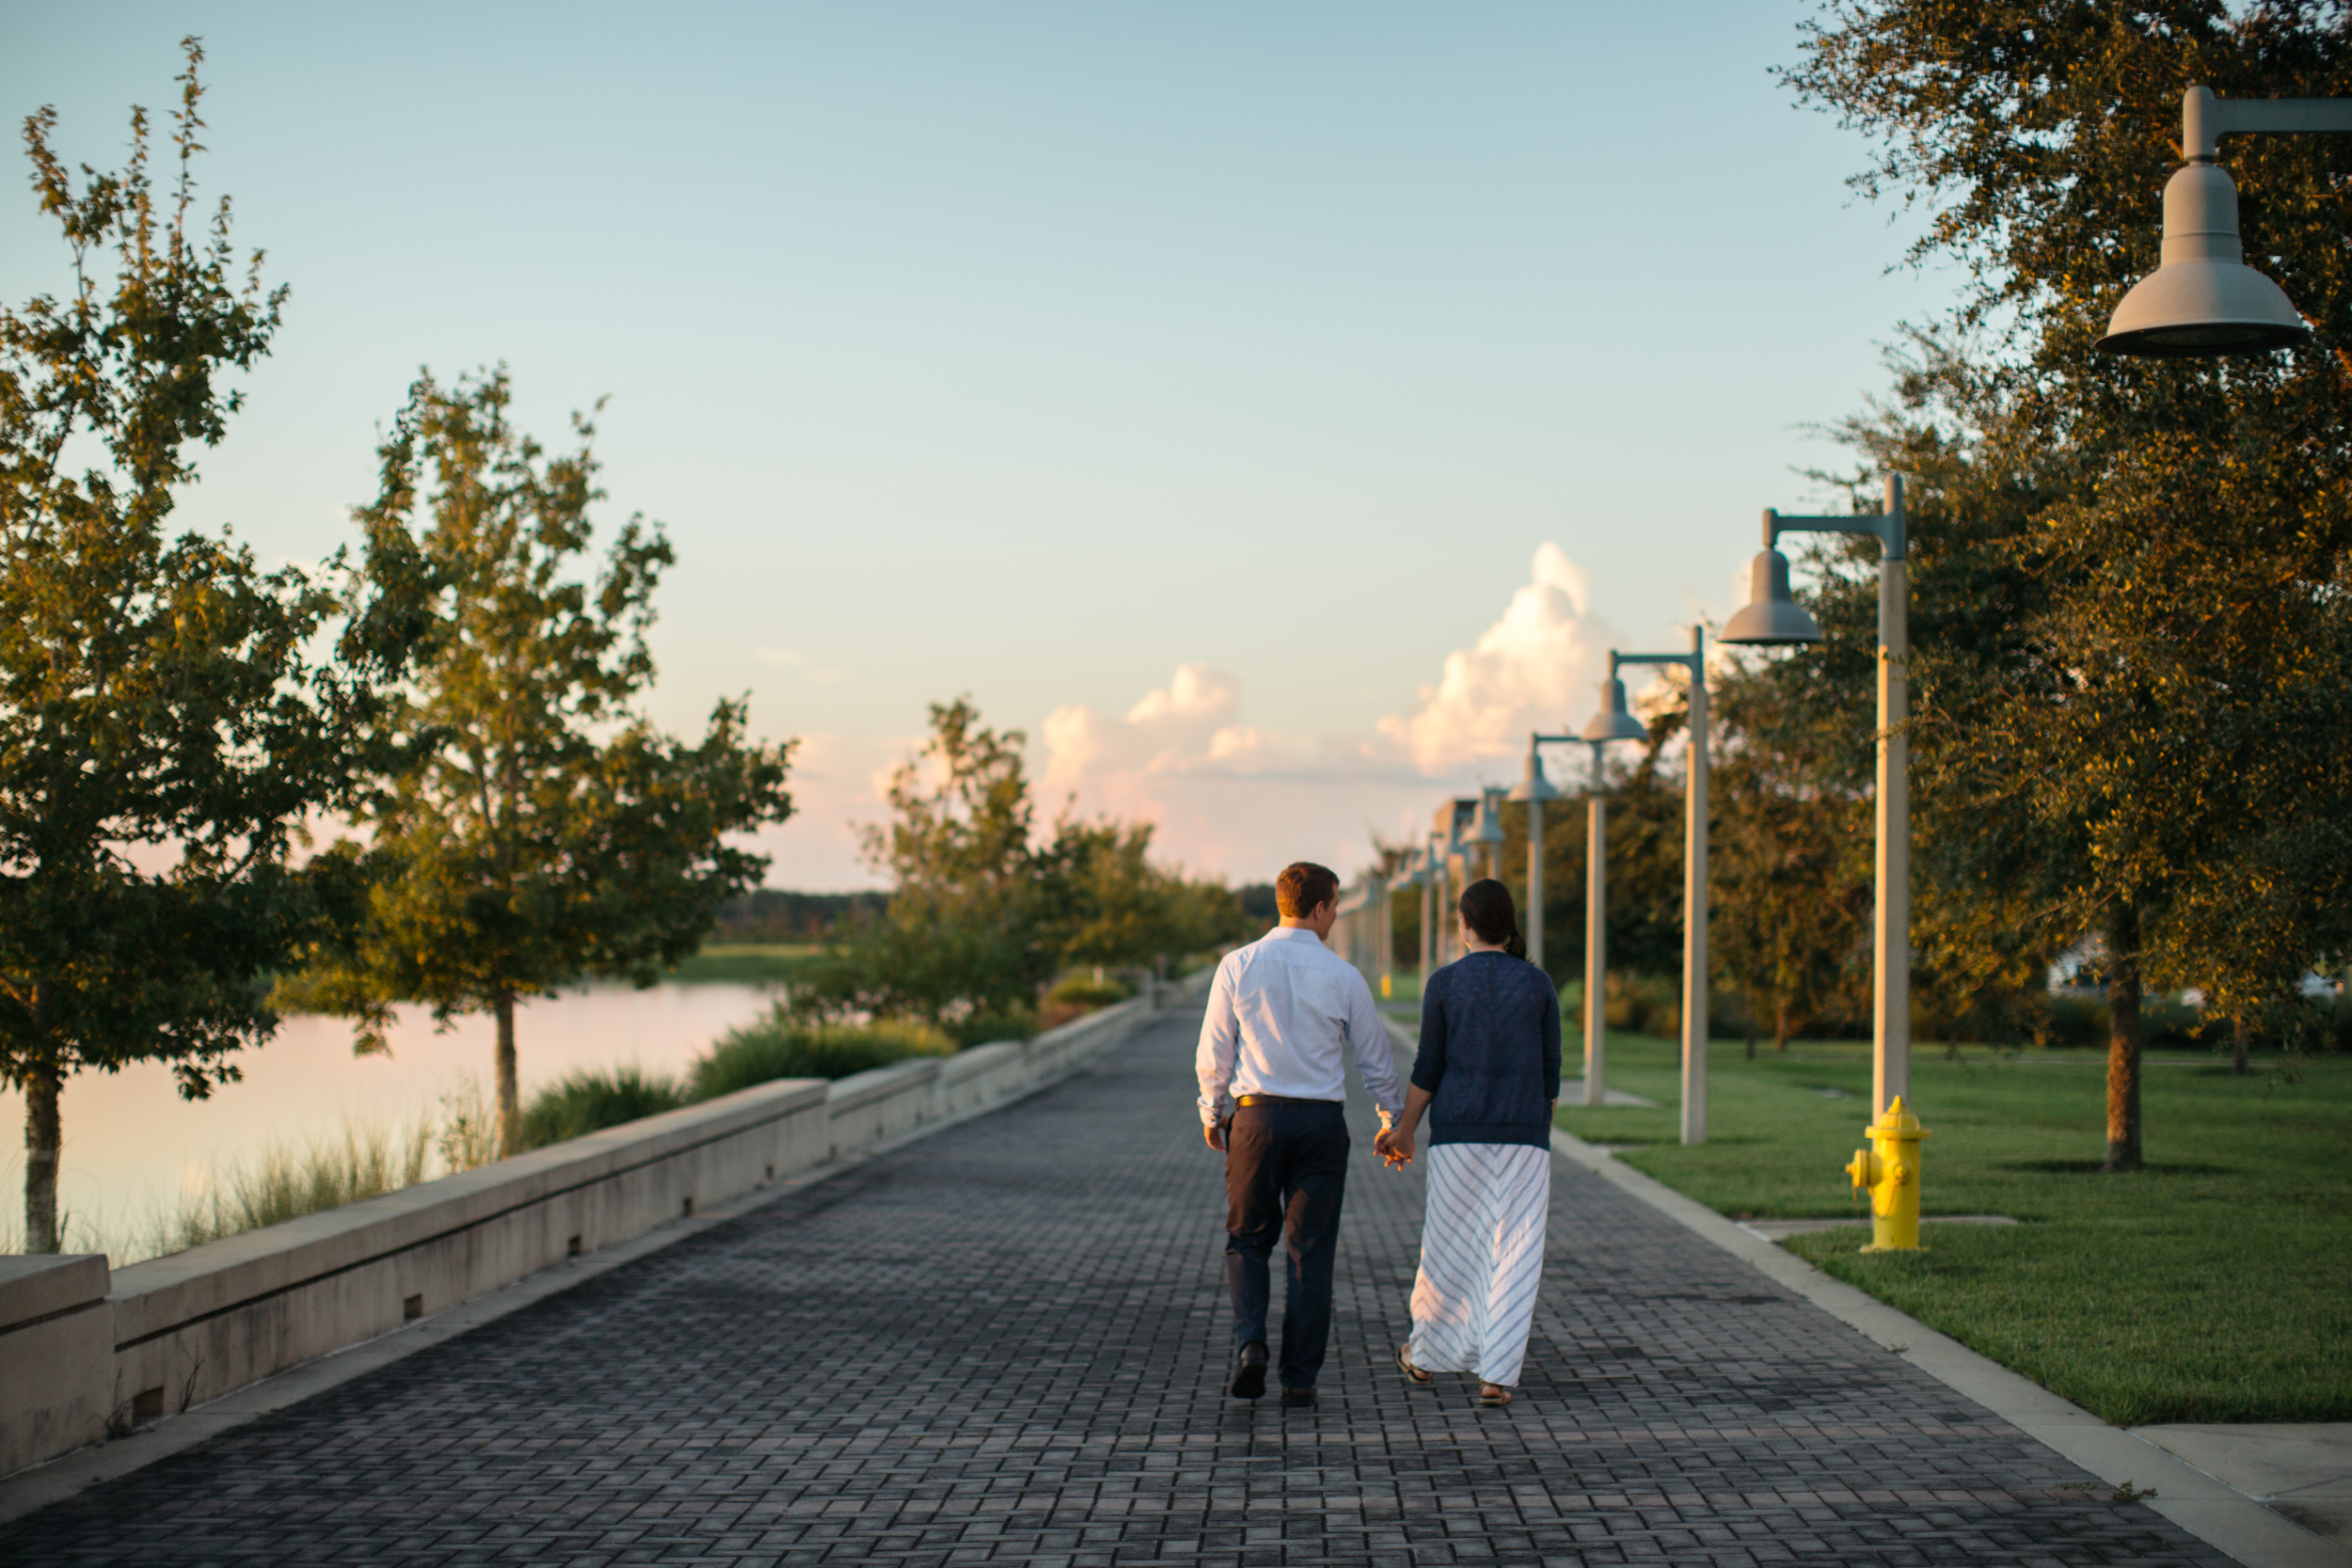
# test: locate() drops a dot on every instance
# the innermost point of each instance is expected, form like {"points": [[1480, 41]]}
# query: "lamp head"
{"points": [[1772, 618], [1489, 829], [1612, 723], [1533, 789], [2202, 300]]}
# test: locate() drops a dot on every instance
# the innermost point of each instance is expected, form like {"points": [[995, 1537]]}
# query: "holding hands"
{"points": [[1395, 1142]]}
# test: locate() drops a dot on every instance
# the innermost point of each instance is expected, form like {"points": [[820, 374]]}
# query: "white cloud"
{"points": [[1229, 797], [1534, 668], [1225, 795]]}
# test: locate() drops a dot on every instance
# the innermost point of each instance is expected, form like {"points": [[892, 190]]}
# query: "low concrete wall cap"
{"points": [[37, 1287], [979, 1059], [156, 1295], [863, 1088]]}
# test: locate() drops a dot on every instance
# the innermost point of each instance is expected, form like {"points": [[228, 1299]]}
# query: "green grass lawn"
{"points": [[2214, 1285], [757, 963]]}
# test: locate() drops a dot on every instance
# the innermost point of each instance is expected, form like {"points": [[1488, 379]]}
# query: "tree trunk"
{"points": [[510, 1108], [1751, 1012], [2123, 1153], [2237, 1053], [41, 1161], [1780, 1025]]}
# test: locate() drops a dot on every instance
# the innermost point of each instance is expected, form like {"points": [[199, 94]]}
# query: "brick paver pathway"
{"points": [[1004, 1343]]}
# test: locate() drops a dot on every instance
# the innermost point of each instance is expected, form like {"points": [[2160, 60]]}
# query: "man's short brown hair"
{"points": [[1303, 888]]}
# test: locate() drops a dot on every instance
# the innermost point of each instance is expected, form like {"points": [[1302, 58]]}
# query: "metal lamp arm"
{"points": [[2206, 118], [1874, 524], [1692, 662], [1889, 527]]}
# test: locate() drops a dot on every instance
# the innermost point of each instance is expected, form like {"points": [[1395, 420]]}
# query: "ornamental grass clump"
{"points": [[588, 1100], [785, 1045], [286, 1182]]}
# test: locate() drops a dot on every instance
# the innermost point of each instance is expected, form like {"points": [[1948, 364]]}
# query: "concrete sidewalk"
{"points": [[2301, 1469], [1004, 1343]]}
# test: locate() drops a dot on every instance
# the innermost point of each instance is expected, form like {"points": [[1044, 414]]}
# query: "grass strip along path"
{"points": [[2213, 1286]]}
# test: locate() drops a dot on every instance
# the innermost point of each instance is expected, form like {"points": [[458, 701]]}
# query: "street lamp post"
{"points": [[1432, 876], [2203, 300], [1612, 723], [1533, 791], [1452, 835], [1772, 618], [1383, 932], [1488, 834], [1597, 927], [1694, 881]]}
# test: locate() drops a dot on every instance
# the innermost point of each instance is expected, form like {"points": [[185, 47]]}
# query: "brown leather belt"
{"points": [[1279, 1100]]}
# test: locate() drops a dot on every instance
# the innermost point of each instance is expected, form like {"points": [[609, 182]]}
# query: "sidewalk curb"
{"points": [[32, 1489], [2215, 1512]]}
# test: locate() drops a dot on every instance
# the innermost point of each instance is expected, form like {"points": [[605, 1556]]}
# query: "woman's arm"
{"points": [[1429, 1054], [1551, 1038]]}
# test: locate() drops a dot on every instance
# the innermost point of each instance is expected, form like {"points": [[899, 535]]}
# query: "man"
{"points": [[1272, 1063]]}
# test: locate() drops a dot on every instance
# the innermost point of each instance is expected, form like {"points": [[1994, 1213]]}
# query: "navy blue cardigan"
{"points": [[1489, 1052]]}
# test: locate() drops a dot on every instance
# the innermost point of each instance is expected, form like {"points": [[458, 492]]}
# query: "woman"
{"points": [[1489, 1074]]}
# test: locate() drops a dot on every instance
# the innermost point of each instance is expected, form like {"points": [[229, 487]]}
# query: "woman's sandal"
{"points": [[1405, 1364], [1494, 1396]]}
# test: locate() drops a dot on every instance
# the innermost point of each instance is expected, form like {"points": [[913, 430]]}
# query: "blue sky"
{"points": [[1200, 387]]}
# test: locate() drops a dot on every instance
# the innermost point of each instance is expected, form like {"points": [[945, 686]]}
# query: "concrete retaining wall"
{"points": [[82, 1352]]}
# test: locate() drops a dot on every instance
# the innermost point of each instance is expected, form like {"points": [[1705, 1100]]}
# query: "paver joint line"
{"points": [[1003, 1344]]}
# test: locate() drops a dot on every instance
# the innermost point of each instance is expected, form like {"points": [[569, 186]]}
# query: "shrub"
{"points": [[986, 1028], [785, 1045], [1090, 993], [1077, 996], [588, 1100], [1643, 1004]]}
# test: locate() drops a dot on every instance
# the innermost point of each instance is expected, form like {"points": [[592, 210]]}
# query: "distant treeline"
{"points": [[777, 914], [1258, 903]]}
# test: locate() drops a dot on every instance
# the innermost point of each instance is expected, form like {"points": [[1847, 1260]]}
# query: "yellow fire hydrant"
{"points": [[1891, 1173]]}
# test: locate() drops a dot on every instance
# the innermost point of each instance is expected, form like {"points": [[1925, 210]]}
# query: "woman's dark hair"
{"points": [[1486, 908]]}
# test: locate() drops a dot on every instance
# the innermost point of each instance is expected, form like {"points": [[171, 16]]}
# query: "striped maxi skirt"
{"points": [[1481, 1252]]}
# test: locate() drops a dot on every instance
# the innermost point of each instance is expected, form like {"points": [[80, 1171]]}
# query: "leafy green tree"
{"points": [[1646, 837], [967, 929], [1110, 905], [1791, 890], [164, 724], [539, 828], [2136, 728], [982, 914]]}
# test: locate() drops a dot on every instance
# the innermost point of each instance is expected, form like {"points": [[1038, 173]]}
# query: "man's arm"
{"points": [[1213, 1062], [1374, 1058]]}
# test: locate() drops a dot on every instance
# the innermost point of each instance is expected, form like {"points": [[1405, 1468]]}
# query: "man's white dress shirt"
{"points": [[1283, 1014]]}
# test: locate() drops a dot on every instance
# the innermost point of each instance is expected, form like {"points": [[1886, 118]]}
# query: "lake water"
{"points": [[133, 1146]]}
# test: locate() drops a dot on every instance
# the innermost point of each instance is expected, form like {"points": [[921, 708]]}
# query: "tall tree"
{"points": [[968, 930], [983, 910], [1790, 892], [1109, 903], [2143, 740], [539, 829], [164, 725]]}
